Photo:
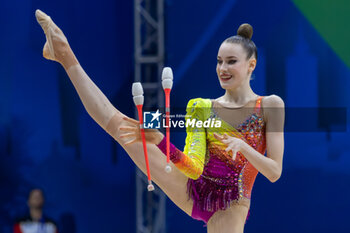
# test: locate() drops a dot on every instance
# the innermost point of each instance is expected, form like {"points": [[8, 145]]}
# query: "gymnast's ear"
{"points": [[252, 65]]}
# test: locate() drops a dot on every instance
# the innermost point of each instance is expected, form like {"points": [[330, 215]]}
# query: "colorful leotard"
{"points": [[215, 180]]}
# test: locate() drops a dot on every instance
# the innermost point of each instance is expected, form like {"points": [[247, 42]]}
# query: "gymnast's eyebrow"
{"points": [[229, 57]]}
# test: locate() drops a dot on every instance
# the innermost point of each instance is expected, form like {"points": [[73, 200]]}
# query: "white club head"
{"points": [[137, 89], [137, 93], [138, 100], [167, 83], [167, 73]]}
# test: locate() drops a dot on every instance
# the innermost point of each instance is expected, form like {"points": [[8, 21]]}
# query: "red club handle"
{"points": [[139, 110], [167, 114]]}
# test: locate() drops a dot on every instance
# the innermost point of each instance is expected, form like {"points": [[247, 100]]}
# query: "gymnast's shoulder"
{"points": [[273, 109], [272, 101]]}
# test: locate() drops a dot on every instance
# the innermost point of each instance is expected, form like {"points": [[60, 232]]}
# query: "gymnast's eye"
{"points": [[231, 62], [219, 62]]}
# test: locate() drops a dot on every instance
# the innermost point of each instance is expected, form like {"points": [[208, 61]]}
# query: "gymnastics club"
{"points": [[167, 83], [137, 93]]}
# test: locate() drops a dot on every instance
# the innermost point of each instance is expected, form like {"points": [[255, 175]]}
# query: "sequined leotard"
{"points": [[215, 180]]}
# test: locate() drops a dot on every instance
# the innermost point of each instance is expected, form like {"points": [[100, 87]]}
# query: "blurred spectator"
{"points": [[36, 221]]}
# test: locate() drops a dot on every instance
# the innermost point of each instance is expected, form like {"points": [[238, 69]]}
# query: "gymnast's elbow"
{"points": [[274, 177]]}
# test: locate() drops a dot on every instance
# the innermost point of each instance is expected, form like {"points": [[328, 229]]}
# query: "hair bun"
{"points": [[245, 30]]}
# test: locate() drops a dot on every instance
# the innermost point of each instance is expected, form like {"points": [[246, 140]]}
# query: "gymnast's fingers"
{"points": [[127, 135], [218, 136], [130, 120], [234, 154], [229, 148], [226, 141], [130, 142], [128, 129]]}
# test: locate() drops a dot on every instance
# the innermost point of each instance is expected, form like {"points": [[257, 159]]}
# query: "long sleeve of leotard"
{"points": [[191, 161]]}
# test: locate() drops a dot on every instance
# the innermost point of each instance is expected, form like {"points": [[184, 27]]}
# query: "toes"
{"points": [[43, 19], [39, 15], [46, 24], [56, 42]]}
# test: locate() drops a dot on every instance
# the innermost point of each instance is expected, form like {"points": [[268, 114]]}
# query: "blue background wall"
{"points": [[48, 140]]}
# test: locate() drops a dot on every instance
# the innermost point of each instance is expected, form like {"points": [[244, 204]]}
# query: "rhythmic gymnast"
{"points": [[217, 168]]}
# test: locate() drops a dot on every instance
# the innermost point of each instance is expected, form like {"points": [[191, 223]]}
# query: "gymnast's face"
{"points": [[233, 68]]}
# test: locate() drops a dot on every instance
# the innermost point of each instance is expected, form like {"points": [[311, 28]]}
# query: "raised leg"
{"points": [[108, 117]]}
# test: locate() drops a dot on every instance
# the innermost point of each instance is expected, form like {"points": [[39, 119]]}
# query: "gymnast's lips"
{"points": [[225, 77]]}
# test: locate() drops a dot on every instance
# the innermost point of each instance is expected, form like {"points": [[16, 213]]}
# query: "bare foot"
{"points": [[56, 47]]}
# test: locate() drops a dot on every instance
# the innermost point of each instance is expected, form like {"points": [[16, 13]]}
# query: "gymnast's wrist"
{"points": [[159, 138], [244, 148]]}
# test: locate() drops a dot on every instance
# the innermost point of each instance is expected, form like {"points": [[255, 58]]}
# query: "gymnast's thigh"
{"points": [[173, 184], [231, 220]]}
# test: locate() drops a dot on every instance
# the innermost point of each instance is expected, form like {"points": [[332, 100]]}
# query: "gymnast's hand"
{"points": [[234, 144], [133, 131], [56, 47]]}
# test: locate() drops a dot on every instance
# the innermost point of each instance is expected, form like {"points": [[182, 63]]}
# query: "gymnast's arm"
{"points": [[191, 161], [271, 165]]}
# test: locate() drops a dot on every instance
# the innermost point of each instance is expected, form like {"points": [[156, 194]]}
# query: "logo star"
{"points": [[155, 115]]}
